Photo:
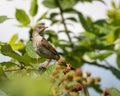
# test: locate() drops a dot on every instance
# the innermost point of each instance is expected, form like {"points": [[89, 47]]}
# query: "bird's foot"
{"points": [[42, 68]]}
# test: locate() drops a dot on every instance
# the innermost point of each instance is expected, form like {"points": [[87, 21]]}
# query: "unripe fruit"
{"points": [[87, 74], [70, 75], [73, 94], [97, 80], [52, 78], [78, 72], [70, 85], [65, 70], [90, 81], [55, 72], [78, 79], [84, 82], [62, 61], [58, 67], [62, 79]]}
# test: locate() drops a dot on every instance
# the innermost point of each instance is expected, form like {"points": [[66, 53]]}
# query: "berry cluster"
{"points": [[70, 81]]}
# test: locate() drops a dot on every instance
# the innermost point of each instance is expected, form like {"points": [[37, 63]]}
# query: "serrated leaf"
{"points": [[30, 50], [33, 8], [22, 17], [114, 92], [3, 18], [118, 60], [43, 16]]}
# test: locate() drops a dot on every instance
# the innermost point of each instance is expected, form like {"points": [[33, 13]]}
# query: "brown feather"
{"points": [[45, 44]]}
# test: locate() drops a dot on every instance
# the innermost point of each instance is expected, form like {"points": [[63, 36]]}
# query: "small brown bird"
{"points": [[41, 45]]}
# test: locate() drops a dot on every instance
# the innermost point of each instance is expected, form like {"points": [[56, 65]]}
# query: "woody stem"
{"points": [[63, 21]]}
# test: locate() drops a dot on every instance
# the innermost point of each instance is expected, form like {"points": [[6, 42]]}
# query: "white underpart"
{"points": [[36, 40]]}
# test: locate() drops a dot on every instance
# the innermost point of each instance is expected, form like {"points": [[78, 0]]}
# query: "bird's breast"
{"points": [[37, 42]]}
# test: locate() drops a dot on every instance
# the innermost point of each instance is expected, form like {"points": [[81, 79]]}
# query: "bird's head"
{"points": [[40, 29]]}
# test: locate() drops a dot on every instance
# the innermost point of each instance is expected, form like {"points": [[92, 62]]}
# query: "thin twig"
{"points": [[63, 21], [10, 70], [86, 91]]}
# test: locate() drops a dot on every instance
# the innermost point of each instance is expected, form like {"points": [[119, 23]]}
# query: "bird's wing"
{"points": [[45, 43]]}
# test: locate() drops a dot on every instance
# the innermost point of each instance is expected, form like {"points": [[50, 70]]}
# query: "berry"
{"points": [[78, 72], [106, 92], [97, 80], [79, 86]]}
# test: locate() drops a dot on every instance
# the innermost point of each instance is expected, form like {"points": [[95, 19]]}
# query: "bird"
{"points": [[42, 47]]}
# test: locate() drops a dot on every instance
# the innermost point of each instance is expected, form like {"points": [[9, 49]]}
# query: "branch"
{"points": [[63, 21], [85, 90], [10, 70], [96, 64]]}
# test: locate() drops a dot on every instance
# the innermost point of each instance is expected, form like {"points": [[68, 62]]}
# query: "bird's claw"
{"points": [[42, 68]]}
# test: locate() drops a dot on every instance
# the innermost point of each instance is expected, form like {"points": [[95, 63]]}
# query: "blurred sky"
{"points": [[96, 10]]}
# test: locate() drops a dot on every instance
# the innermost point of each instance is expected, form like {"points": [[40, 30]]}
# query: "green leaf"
{"points": [[8, 64], [17, 46], [114, 5], [118, 60], [97, 88], [33, 60], [53, 15], [33, 8], [30, 50], [67, 4], [43, 16], [115, 71], [22, 17], [110, 38], [13, 39], [3, 18], [84, 22], [2, 74], [7, 51], [72, 19], [114, 92], [100, 56], [14, 44], [100, 22], [49, 3]]}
